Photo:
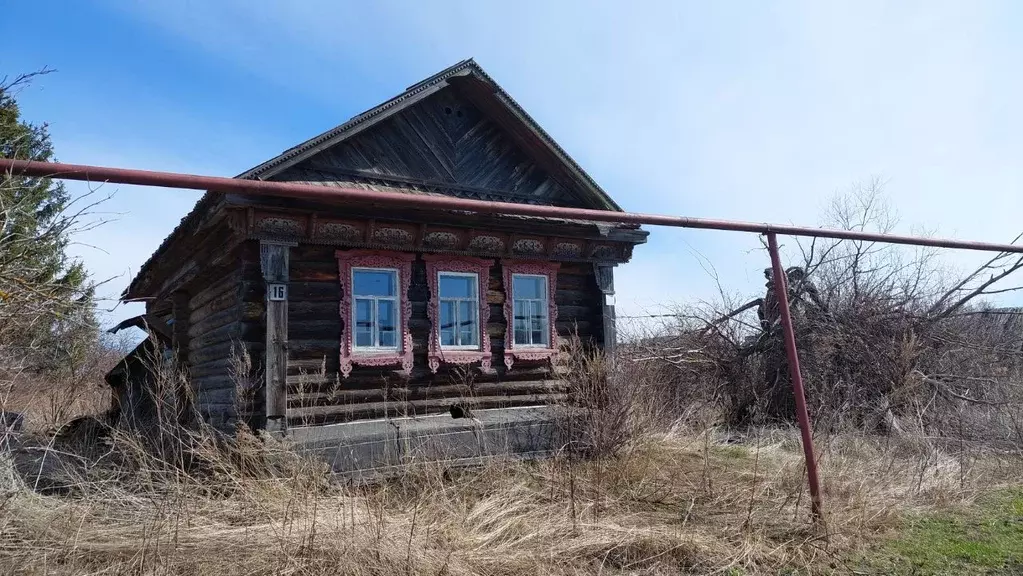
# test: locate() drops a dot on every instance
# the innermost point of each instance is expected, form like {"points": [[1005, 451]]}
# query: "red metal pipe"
{"points": [[782, 296], [331, 193]]}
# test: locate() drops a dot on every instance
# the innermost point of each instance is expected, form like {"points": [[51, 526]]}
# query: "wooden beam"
{"points": [[180, 344], [606, 283], [273, 260]]}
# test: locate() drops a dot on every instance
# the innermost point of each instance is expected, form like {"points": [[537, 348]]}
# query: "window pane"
{"points": [[538, 323], [387, 323], [447, 323], [363, 323], [467, 329], [374, 283], [533, 287], [521, 323], [453, 286]]}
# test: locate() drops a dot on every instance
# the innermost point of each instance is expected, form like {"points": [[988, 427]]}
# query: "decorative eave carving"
{"points": [[313, 228]]}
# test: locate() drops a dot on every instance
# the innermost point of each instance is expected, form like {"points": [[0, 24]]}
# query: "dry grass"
{"points": [[683, 501]]}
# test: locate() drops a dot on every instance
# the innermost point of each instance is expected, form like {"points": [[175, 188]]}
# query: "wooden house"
{"points": [[289, 312]]}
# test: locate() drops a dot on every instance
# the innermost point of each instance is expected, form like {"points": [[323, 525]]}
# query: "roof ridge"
{"points": [[409, 92]]}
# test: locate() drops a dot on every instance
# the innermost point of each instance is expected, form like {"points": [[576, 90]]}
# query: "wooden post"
{"points": [[273, 260], [606, 283], [180, 311]]}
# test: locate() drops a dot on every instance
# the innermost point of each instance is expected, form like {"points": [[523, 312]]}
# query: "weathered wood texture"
{"points": [[218, 358], [606, 284], [316, 394], [444, 142], [274, 267]]}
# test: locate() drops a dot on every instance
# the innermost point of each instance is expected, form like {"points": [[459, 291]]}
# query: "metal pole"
{"points": [[782, 295], [101, 174]]}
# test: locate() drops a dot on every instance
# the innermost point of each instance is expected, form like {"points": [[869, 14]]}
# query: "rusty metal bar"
{"points": [[371, 197], [782, 296], [337, 194]]}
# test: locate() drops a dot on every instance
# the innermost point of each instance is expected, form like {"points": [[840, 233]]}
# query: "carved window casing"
{"points": [[533, 352], [397, 261], [436, 264]]}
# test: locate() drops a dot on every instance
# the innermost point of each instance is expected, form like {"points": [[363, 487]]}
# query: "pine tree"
{"points": [[46, 298]]}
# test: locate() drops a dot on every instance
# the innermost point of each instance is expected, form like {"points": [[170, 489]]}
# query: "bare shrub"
{"points": [[889, 339]]}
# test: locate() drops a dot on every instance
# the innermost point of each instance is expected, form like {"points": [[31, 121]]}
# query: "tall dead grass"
{"points": [[684, 500], [634, 496]]}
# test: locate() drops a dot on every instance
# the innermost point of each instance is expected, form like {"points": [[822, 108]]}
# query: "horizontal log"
{"points": [[215, 382], [206, 325], [217, 288], [314, 291], [448, 391], [312, 375], [305, 310], [314, 271], [226, 333], [216, 396], [337, 413], [329, 329]]}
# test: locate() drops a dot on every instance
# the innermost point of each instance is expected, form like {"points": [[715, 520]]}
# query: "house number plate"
{"points": [[277, 292]]}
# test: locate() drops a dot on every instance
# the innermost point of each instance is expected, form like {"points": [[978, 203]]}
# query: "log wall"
{"points": [[317, 395], [223, 335]]}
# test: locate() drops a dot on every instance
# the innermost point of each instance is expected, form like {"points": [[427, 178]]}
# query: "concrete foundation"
{"points": [[371, 448]]}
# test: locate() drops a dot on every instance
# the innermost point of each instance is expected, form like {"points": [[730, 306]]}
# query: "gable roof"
{"points": [[486, 93], [472, 81]]}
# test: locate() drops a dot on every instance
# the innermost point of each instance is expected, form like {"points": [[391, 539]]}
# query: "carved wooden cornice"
{"points": [[319, 229]]}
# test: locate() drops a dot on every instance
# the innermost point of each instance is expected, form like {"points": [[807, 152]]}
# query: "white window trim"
{"points": [[475, 307], [396, 299], [545, 307]]}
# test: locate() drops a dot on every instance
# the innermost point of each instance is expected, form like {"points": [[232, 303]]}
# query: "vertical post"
{"points": [[781, 290], [606, 283], [180, 311], [273, 260]]}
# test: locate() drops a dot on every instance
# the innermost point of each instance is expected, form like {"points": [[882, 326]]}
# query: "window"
{"points": [[375, 296], [530, 311], [375, 309], [529, 296], [459, 310]]}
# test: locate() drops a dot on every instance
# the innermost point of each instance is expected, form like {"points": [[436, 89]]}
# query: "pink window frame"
{"points": [[550, 270], [435, 265], [400, 261]]}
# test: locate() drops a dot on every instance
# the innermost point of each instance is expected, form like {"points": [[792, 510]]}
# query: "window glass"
{"points": [[374, 283], [452, 286], [458, 313], [363, 322], [447, 323], [467, 329], [531, 287], [387, 323], [530, 303], [375, 294]]}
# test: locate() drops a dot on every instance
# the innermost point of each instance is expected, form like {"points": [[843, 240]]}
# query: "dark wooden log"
{"points": [[342, 413], [344, 396]]}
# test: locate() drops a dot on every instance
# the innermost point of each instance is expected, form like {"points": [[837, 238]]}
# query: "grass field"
{"points": [[696, 502]]}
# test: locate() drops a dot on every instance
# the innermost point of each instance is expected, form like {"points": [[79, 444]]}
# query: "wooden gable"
{"points": [[441, 144], [458, 133]]}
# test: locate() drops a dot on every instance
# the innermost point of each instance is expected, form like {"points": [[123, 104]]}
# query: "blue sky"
{"points": [[746, 110]]}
